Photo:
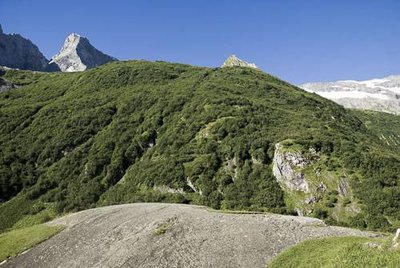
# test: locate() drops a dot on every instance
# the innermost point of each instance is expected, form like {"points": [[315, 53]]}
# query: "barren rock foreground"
{"points": [[171, 235]]}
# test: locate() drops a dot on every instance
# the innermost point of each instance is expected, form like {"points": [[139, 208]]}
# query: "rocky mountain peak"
{"points": [[233, 60], [77, 54], [19, 52], [71, 39]]}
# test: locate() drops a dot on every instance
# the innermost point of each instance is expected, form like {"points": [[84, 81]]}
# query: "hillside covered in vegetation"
{"points": [[159, 132]]}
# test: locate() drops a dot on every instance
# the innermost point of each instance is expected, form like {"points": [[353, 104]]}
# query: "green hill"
{"points": [[155, 131]]}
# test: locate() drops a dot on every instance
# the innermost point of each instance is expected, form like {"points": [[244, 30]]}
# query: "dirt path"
{"points": [[171, 235]]}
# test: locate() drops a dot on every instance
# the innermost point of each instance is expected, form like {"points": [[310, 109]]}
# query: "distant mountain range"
{"points": [[77, 54], [376, 94]]}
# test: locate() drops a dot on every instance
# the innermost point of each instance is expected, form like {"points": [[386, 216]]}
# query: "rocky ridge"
{"points": [[77, 54], [232, 61], [19, 52]]}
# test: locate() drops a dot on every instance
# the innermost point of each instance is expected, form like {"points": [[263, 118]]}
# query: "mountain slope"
{"points": [[384, 125], [19, 52], [142, 131], [381, 95], [77, 54]]}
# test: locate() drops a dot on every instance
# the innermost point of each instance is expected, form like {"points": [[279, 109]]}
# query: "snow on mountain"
{"points": [[376, 94], [77, 54]]}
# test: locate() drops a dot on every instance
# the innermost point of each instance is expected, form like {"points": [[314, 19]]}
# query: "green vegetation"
{"points": [[16, 241], [164, 227], [385, 126], [346, 252], [159, 132]]}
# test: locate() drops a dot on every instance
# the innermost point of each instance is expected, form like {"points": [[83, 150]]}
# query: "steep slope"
{"points": [[19, 52], [384, 125], [171, 235], [160, 132], [77, 54], [381, 95]]}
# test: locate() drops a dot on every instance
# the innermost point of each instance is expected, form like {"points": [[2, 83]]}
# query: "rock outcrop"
{"points": [[77, 54], [288, 167], [5, 85], [284, 169], [310, 187], [396, 239], [233, 61], [19, 52], [382, 95]]}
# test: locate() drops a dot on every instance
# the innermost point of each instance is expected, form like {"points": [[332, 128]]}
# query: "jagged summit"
{"points": [[77, 54], [235, 61], [19, 52]]}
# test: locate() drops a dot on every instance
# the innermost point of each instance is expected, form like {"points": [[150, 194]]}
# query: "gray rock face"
{"points": [[381, 95], [128, 236], [19, 52], [343, 187], [5, 85], [283, 168], [396, 240], [233, 61], [77, 54]]}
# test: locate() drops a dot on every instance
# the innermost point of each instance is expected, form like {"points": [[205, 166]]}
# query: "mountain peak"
{"points": [[77, 54], [233, 60], [19, 52], [73, 35], [72, 38]]}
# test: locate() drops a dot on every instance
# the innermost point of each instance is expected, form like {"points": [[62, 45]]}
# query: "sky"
{"points": [[298, 41]]}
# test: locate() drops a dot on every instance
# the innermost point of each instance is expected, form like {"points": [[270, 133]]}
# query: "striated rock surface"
{"points": [[19, 52], [129, 236], [381, 95], [232, 61], [77, 54]]}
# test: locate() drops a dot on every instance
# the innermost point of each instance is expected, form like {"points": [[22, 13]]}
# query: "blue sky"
{"points": [[296, 40]]}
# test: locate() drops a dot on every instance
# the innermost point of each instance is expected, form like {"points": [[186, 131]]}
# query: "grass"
{"points": [[41, 217], [16, 241], [164, 227], [227, 211], [339, 252]]}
